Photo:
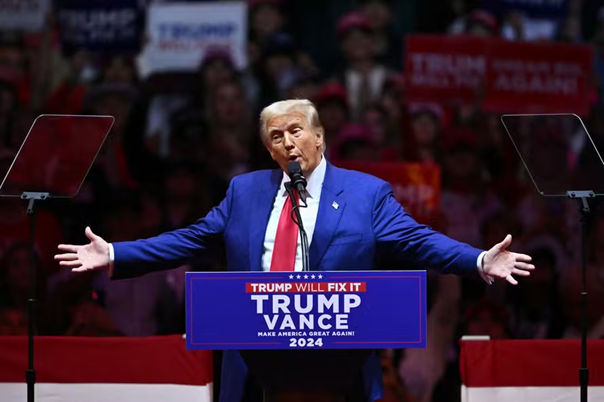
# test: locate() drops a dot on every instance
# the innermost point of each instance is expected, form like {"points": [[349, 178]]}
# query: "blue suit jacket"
{"points": [[367, 222]]}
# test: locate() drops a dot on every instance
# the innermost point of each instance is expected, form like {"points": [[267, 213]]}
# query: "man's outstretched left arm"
{"points": [[399, 231]]}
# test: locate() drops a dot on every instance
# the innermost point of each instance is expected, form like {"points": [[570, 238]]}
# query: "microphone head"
{"points": [[294, 171], [294, 167]]}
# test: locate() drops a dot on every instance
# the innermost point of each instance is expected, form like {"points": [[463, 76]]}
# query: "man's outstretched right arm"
{"points": [[166, 251]]}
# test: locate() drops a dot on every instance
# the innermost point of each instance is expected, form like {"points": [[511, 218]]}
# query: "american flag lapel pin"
{"points": [[335, 205]]}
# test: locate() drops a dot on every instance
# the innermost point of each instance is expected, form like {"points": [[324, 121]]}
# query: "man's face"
{"points": [[266, 20], [229, 104], [333, 116], [290, 138], [358, 45]]}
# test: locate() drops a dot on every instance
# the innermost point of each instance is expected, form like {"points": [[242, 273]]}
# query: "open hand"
{"points": [[498, 262], [93, 256]]}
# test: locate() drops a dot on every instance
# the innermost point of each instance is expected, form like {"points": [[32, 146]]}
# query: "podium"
{"points": [[306, 333]]}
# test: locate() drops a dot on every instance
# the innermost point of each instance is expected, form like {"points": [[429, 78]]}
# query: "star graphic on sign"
{"points": [[305, 276], [291, 277], [320, 276], [298, 276], [312, 277]]}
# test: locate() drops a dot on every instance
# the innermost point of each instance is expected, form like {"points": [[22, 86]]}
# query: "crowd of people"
{"points": [[179, 138]]}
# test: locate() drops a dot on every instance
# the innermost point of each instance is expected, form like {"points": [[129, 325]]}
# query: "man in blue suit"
{"points": [[351, 218]]}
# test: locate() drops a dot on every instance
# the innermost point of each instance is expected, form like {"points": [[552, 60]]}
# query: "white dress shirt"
{"points": [[314, 185]]}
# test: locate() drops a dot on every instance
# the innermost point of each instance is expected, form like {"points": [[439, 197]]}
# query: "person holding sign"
{"points": [[351, 218]]}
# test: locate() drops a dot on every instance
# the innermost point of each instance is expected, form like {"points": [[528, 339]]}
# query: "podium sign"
{"points": [[306, 310]]}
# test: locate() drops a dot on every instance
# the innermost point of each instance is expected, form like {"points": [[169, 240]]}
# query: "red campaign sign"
{"points": [[538, 78], [312, 287], [416, 186], [516, 77], [444, 67]]}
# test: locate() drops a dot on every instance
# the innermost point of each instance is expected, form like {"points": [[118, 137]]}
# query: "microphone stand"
{"points": [[298, 221]]}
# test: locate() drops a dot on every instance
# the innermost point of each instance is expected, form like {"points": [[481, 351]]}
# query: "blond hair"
{"points": [[279, 108]]}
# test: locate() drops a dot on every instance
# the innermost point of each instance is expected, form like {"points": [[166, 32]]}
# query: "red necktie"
{"points": [[286, 240]]}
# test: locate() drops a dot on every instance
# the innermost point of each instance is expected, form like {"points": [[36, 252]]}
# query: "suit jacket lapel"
{"points": [[261, 206], [331, 208]]}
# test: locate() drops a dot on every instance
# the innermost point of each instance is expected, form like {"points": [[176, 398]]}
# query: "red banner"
{"points": [[106, 369], [545, 370], [512, 77], [415, 185], [528, 362], [109, 360]]}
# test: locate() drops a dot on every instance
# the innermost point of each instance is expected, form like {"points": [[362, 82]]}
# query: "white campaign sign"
{"points": [[178, 35]]}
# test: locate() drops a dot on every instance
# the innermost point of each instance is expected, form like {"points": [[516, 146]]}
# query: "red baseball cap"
{"points": [[353, 20], [332, 91]]}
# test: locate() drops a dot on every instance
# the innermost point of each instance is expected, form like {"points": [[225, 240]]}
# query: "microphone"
{"points": [[298, 182], [294, 171]]}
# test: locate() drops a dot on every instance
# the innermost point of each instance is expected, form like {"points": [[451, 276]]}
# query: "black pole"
{"points": [[30, 374], [583, 371]]}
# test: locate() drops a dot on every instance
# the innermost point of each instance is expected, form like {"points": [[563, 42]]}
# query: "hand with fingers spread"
{"points": [[93, 256], [500, 263]]}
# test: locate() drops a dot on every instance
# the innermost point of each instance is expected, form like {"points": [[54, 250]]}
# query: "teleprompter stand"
{"points": [[30, 375], [52, 162], [542, 142], [585, 217]]}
